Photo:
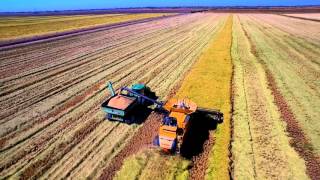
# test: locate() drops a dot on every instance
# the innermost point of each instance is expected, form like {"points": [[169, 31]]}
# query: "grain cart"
{"points": [[121, 106]]}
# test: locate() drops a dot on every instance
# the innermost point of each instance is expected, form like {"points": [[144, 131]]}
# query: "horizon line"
{"points": [[173, 7]]}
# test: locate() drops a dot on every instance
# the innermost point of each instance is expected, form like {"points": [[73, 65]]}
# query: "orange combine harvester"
{"points": [[176, 122], [177, 113]]}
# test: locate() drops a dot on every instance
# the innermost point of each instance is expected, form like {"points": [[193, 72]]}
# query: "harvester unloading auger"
{"points": [[177, 113]]}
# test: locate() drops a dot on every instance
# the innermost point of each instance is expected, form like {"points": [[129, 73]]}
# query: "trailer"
{"points": [[121, 106]]}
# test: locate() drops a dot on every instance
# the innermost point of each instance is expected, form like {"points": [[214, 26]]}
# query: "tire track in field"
{"points": [[301, 18], [97, 39]]}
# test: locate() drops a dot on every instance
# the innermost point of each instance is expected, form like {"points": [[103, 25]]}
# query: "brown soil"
{"points": [[141, 138], [200, 162], [232, 97], [299, 141]]}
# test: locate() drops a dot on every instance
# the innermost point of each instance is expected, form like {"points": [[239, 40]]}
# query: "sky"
{"points": [[51, 5]]}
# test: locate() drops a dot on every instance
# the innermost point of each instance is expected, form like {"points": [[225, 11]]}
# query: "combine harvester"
{"points": [[177, 113], [177, 120]]}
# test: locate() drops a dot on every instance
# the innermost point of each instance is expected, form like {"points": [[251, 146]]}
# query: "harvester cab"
{"points": [[167, 138], [121, 105]]}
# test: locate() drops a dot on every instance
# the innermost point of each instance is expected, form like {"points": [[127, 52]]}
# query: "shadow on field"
{"points": [[140, 114], [198, 133]]}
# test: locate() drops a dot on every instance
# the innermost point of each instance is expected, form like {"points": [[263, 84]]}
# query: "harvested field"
{"points": [[28, 26], [52, 125]]}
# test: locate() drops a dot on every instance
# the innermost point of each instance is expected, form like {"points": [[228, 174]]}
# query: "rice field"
{"points": [[261, 70]]}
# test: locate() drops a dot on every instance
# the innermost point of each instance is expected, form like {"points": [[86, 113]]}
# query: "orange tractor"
{"points": [[121, 106], [177, 122]]}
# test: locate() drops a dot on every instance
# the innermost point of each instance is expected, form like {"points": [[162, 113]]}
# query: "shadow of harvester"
{"points": [[197, 134]]}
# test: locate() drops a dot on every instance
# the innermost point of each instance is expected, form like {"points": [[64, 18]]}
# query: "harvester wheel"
{"points": [[129, 120], [156, 141]]}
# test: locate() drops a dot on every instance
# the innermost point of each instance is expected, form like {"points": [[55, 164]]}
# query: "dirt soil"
{"points": [[200, 162]]}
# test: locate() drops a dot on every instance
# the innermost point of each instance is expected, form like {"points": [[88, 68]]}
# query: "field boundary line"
{"points": [[301, 18]]}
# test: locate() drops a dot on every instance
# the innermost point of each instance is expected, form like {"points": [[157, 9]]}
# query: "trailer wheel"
{"points": [[108, 117]]}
